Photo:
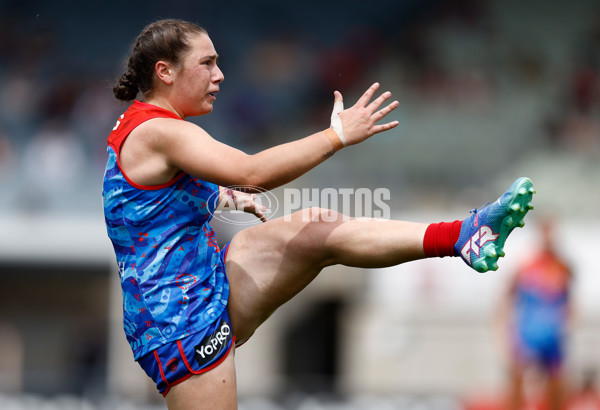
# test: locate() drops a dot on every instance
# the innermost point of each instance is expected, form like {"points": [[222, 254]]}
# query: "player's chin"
{"points": [[209, 104], [205, 109]]}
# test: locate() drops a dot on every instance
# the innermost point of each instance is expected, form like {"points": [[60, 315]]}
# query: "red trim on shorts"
{"points": [[192, 371], [184, 378], [204, 369], [225, 256], [162, 373]]}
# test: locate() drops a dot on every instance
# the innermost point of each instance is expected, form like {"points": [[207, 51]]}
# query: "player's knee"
{"points": [[316, 215]]}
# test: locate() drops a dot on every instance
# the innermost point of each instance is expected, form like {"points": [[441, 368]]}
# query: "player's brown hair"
{"points": [[165, 40]]}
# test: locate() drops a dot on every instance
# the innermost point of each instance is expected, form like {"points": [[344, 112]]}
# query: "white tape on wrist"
{"points": [[336, 121]]}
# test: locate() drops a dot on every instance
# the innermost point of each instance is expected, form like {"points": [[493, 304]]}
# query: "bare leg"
{"points": [[515, 394], [555, 399], [268, 264], [215, 389]]}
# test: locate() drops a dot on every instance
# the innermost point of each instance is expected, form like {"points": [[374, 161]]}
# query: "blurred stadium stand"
{"points": [[489, 91]]}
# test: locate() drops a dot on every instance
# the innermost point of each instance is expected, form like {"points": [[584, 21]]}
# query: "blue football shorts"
{"points": [[546, 351], [198, 353]]}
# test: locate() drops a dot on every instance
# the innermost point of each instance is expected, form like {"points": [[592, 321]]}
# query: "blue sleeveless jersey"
{"points": [[171, 268], [541, 302]]}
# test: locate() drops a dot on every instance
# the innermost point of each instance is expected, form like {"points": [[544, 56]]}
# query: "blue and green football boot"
{"points": [[483, 234]]}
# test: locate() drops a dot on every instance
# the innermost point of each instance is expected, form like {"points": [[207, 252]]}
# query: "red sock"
{"points": [[440, 238]]}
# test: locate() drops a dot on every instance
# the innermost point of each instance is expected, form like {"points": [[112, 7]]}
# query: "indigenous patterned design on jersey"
{"points": [[541, 300], [171, 270]]}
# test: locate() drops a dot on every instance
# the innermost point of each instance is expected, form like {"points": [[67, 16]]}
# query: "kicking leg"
{"points": [[270, 263]]}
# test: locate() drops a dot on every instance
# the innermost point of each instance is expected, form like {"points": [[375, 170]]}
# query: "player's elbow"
{"points": [[251, 177], [256, 181], [254, 174]]}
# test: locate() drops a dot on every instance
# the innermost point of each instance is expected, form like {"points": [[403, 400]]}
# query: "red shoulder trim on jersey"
{"points": [[150, 187], [138, 113]]}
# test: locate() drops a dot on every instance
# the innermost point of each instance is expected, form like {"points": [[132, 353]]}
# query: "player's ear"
{"points": [[164, 72]]}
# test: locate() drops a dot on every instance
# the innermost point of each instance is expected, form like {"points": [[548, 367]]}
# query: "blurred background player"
{"points": [[536, 312]]}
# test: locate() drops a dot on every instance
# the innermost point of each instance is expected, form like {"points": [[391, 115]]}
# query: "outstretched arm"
{"points": [[184, 146]]}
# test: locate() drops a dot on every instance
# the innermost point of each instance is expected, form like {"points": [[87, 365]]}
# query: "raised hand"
{"points": [[359, 122]]}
